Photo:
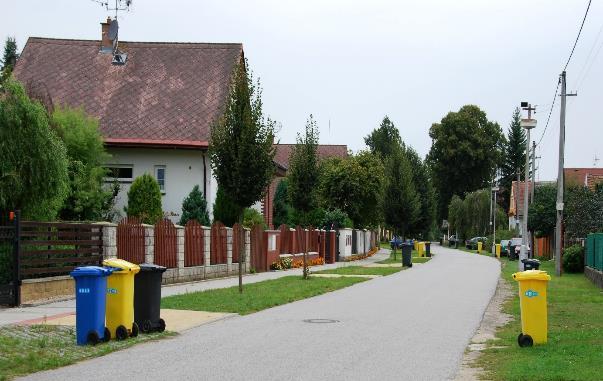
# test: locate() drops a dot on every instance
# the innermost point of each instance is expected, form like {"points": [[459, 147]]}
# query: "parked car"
{"points": [[452, 241], [514, 248], [471, 244]]}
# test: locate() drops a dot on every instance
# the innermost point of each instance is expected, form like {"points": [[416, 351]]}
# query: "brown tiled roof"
{"points": [[579, 176], [166, 93], [283, 151]]}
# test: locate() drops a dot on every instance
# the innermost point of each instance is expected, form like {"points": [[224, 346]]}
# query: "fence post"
{"points": [[179, 246], [149, 243], [229, 232], [17, 260], [207, 246], [247, 250], [109, 239]]}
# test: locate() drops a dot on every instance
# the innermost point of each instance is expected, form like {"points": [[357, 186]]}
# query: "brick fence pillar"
{"points": [[247, 250], [109, 239], [180, 246], [228, 247], [207, 245], [149, 243]]}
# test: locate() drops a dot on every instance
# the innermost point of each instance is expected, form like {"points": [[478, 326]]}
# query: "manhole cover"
{"points": [[321, 321]]}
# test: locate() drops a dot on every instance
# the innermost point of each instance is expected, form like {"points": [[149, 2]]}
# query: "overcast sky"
{"points": [[353, 62]]}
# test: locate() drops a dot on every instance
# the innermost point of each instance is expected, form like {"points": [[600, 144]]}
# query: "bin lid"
{"points": [[532, 275], [121, 266], [151, 267], [91, 271], [531, 261]]}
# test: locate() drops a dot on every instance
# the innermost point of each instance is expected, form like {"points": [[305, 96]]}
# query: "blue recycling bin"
{"points": [[90, 302]]}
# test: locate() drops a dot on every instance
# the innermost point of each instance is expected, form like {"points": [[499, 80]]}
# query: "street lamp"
{"points": [[528, 124], [494, 189]]}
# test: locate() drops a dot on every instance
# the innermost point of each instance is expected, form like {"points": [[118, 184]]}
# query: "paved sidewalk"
{"points": [[412, 325], [67, 307]]}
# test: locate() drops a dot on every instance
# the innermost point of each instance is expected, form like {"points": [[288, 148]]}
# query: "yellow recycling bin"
{"points": [[120, 299], [532, 300], [479, 246], [416, 243], [421, 248], [497, 249]]}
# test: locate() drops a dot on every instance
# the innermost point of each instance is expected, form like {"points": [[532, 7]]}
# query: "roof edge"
{"points": [[199, 44], [157, 143]]}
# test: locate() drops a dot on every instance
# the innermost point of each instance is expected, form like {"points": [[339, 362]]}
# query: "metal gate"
{"points": [[9, 259], [354, 241]]}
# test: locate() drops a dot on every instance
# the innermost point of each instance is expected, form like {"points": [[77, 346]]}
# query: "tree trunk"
{"points": [[306, 254], [242, 258]]}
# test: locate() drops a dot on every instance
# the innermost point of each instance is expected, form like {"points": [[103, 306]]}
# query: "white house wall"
{"points": [[183, 170]]}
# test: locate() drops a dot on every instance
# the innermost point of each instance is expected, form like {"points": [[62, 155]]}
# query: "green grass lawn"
{"points": [[575, 341], [257, 296], [360, 270], [29, 349], [415, 258]]}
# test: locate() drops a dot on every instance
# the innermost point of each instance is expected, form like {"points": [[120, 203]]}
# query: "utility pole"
{"points": [[560, 179], [528, 124], [533, 171]]}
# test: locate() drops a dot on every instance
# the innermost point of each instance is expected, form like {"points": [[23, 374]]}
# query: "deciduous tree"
{"points": [[465, 151], [383, 141], [542, 215], [33, 160], [241, 148]]}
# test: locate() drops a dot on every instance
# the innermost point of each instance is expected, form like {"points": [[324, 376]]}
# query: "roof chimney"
{"points": [[106, 43]]}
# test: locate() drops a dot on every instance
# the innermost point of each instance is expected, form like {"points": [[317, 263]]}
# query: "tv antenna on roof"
{"points": [[120, 5]]}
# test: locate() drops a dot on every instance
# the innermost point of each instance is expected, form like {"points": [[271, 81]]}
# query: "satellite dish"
{"points": [[113, 28]]}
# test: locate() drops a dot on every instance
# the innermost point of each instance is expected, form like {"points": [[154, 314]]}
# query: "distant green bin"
{"points": [[599, 251]]}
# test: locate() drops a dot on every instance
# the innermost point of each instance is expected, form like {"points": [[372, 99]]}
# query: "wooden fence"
{"points": [[56, 248], [194, 244], [130, 240], [258, 258], [166, 238], [218, 247]]}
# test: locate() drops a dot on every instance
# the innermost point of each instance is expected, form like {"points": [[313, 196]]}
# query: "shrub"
{"points": [[225, 210], [281, 213], [144, 200], [573, 259], [252, 217], [194, 207], [336, 217]]}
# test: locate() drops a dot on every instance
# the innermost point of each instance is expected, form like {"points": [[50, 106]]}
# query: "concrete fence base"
{"points": [[594, 275]]}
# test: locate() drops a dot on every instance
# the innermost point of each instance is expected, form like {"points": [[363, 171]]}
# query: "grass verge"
{"points": [[257, 296], [575, 341], [360, 270], [29, 349]]}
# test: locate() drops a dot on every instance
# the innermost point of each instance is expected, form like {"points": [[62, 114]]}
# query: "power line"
{"points": [[564, 68], [548, 119], [577, 37]]}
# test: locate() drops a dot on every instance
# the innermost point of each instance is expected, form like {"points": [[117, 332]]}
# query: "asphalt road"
{"points": [[413, 325]]}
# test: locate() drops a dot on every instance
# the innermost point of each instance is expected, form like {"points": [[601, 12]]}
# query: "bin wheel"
{"points": [[107, 337], [525, 340], [93, 338], [134, 330], [161, 327], [146, 326], [121, 333]]}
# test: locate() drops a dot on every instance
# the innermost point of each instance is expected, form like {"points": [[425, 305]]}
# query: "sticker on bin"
{"points": [[83, 290], [111, 291], [531, 293]]}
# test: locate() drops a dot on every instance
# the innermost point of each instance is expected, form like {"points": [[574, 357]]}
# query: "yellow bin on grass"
{"points": [[479, 246], [421, 249], [416, 243], [532, 300], [120, 299], [497, 249]]}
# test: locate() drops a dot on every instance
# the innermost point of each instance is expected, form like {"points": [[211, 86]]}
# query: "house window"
{"points": [[160, 176], [121, 173]]}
